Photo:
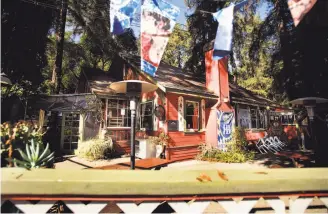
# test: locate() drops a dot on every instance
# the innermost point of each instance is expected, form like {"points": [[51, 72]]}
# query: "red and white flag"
{"points": [[299, 8]]}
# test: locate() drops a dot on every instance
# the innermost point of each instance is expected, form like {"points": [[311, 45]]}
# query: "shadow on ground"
{"points": [[286, 159]]}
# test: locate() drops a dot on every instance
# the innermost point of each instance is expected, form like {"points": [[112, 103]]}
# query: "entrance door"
{"points": [[70, 132]]}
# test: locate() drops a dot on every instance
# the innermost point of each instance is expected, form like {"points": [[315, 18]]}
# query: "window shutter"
{"points": [[202, 104], [155, 119], [181, 114]]}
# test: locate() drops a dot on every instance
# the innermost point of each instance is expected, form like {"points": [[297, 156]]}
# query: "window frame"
{"points": [[141, 115], [126, 117], [185, 115]]}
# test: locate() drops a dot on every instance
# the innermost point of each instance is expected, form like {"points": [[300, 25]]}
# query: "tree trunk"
{"points": [[60, 46], [53, 134]]}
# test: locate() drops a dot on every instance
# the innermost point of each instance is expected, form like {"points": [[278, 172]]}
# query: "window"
{"points": [[244, 118], [146, 115], [254, 119], [192, 115], [70, 131], [287, 119], [262, 119], [118, 114]]}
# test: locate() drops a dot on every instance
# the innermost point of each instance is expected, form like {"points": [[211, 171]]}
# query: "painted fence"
{"points": [[167, 191]]}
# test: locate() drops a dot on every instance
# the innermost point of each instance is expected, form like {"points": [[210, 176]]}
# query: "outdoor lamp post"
{"points": [[310, 103], [5, 80], [132, 89]]}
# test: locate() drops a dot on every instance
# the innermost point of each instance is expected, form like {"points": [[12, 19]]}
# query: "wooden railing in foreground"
{"points": [[167, 191]]}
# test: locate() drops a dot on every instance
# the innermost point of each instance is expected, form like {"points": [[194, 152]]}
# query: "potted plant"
{"points": [[159, 142]]}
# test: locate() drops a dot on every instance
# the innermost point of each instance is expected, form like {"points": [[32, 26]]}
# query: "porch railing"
{"points": [[166, 191], [121, 138], [119, 133]]}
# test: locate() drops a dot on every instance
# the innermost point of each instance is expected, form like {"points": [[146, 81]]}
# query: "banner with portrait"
{"points": [[225, 122], [157, 22]]}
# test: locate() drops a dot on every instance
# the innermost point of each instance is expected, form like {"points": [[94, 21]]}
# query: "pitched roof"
{"points": [[98, 80], [174, 79], [240, 94]]}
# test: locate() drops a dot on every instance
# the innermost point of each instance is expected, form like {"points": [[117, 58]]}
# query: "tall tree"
{"points": [[250, 75], [92, 18], [203, 30], [23, 44], [93, 47], [60, 37], [177, 50], [303, 51]]}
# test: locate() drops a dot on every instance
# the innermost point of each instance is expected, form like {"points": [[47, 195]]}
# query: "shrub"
{"points": [[236, 150], [34, 156], [95, 149]]}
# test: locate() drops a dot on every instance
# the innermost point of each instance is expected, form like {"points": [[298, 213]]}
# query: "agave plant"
{"points": [[34, 156]]}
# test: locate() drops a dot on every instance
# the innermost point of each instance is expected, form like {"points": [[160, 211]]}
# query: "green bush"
{"points": [[236, 150], [34, 156], [95, 149]]}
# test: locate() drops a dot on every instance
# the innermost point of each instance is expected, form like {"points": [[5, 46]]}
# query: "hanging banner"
{"points": [[121, 14], [225, 122], [224, 33], [157, 22], [299, 8]]}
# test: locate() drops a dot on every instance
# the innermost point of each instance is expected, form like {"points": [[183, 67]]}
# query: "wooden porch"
{"points": [[121, 139]]}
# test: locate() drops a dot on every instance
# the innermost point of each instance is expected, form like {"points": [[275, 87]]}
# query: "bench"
{"points": [[143, 164]]}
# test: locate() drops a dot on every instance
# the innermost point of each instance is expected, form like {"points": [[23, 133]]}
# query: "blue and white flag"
{"points": [[225, 122], [157, 22], [224, 33], [121, 14]]}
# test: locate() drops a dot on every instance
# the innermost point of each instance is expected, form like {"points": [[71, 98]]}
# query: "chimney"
{"points": [[217, 82], [217, 77]]}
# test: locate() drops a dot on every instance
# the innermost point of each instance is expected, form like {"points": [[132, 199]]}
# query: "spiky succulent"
{"points": [[35, 156]]}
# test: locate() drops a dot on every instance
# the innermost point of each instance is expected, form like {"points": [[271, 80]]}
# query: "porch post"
{"points": [[133, 119]]}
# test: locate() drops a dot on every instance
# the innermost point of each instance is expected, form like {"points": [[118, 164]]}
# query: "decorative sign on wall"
{"points": [[172, 125], [225, 122], [244, 118]]}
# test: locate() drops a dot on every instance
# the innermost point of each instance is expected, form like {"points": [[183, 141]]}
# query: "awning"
{"points": [[64, 102]]}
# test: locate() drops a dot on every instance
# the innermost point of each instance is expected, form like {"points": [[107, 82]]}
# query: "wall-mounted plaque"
{"points": [[173, 125]]}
